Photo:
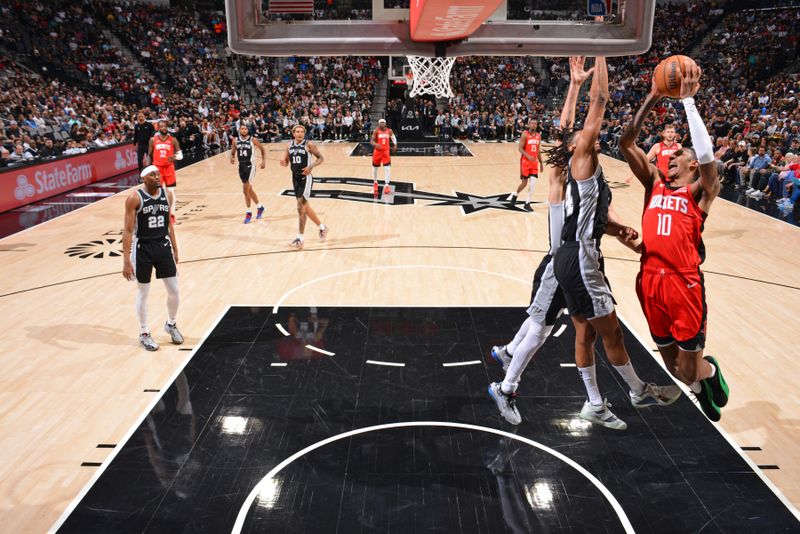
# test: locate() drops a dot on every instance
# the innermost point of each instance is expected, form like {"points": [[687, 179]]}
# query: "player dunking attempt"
{"points": [[384, 143], [670, 284], [164, 150], [148, 241], [244, 148], [579, 264], [297, 157], [530, 161]]}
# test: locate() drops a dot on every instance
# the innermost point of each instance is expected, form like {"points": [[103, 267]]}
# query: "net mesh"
{"points": [[431, 76]]}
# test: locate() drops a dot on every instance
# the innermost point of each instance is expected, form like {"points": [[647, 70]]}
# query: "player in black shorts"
{"points": [[297, 158], [149, 241], [244, 147]]}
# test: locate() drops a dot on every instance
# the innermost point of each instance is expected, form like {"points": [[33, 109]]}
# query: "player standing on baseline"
{"points": [[164, 150], [148, 240], [579, 264], [244, 148], [670, 283], [384, 143], [530, 162], [547, 301], [297, 157]]}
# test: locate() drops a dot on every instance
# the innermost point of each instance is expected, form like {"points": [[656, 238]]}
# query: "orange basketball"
{"points": [[666, 75]]}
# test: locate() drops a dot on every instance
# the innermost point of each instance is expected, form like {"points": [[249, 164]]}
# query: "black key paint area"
{"points": [[418, 148], [377, 420]]}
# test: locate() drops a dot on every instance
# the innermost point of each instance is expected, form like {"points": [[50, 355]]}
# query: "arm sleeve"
{"points": [[394, 140], [700, 139]]}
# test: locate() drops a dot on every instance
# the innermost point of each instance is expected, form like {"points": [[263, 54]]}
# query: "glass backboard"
{"points": [[380, 27]]}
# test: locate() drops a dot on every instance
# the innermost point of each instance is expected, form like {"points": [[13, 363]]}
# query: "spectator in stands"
{"points": [[756, 166]]}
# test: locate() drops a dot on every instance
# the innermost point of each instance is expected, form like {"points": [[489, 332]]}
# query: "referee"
{"points": [[143, 131]]}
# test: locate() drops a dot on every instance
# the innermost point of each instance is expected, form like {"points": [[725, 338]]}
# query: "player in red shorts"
{"points": [[384, 143], [662, 151], [670, 283], [530, 161], [164, 150]]}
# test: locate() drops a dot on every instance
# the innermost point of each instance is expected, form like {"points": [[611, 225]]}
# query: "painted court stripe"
{"points": [[325, 352], [388, 364], [275, 364], [457, 364], [560, 330], [568, 365], [267, 480], [281, 329]]}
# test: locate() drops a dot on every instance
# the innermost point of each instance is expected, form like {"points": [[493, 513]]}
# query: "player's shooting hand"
{"points": [[127, 271], [690, 83]]}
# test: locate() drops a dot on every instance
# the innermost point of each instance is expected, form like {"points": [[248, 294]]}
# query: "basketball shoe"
{"points": [[506, 403], [501, 356], [174, 334], [260, 212], [248, 217], [148, 342], [602, 415], [654, 395]]}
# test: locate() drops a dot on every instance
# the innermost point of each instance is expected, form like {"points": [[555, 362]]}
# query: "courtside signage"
{"points": [[24, 185]]}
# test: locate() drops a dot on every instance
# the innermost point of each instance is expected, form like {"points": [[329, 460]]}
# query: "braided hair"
{"points": [[559, 154]]}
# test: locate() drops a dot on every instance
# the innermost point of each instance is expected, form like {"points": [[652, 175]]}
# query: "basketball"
{"points": [[666, 75]]}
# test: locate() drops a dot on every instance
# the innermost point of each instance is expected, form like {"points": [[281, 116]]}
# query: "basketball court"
{"points": [[342, 388]]}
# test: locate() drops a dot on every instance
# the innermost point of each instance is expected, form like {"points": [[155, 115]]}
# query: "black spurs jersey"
{"points": [[586, 207], [244, 151], [298, 157], [152, 218]]}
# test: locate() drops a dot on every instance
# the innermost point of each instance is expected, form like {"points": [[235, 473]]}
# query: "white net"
{"points": [[431, 76]]}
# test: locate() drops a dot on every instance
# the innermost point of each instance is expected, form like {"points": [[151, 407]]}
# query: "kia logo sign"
{"points": [[409, 128], [24, 188]]}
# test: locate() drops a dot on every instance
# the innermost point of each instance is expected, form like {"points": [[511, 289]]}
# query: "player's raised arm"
{"points": [[577, 75], [131, 205], [318, 158], [701, 142], [638, 161], [585, 160], [263, 151]]}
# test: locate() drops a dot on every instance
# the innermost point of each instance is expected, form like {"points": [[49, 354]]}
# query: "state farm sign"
{"points": [[24, 185]]}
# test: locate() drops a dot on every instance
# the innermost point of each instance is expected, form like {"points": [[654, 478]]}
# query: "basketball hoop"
{"points": [[430, 76]]}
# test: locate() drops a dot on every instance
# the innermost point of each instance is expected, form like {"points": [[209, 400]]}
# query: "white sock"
{"points": [[300, 237], [248, 210], [141, 306], [322, 226], [387, 174], [589, 376], [531, 343], [260, 206], [512, 347], [514, 194], [375, 173], [628, 374], [713, 369], [532, 182]]}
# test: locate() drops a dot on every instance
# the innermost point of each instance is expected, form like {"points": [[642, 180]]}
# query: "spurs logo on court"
{"points": [[99, 248], [24, 188], [404, 193]]}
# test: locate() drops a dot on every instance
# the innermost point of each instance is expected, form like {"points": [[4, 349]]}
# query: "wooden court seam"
{"points": [[398, 247]]}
